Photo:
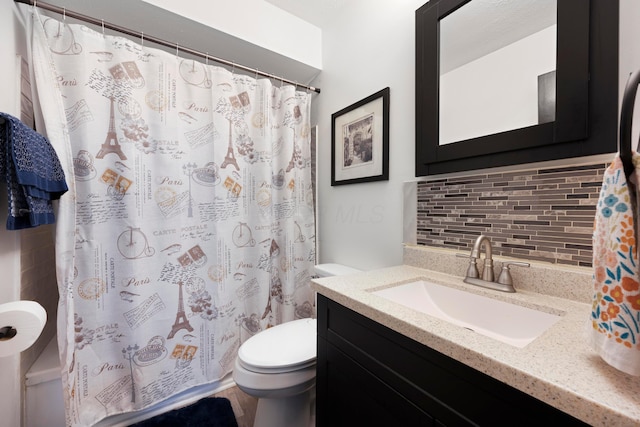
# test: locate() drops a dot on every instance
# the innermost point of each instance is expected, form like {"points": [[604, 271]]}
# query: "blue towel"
{"points": [[33, 174]]}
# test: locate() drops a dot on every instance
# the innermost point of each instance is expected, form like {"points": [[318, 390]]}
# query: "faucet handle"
{"points": [[505, 274], [472, 270]]}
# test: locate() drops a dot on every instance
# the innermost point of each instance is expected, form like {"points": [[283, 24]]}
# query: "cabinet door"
{"points": [[350, 395]]}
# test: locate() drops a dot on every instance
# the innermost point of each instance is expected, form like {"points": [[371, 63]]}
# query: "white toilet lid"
{"points": [[285, 345]]}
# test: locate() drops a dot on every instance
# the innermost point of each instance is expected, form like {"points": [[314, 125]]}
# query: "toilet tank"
{"points": [[327, 270]]}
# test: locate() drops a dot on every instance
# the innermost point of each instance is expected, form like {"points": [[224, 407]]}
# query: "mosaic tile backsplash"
{"points": [[543, 214]]}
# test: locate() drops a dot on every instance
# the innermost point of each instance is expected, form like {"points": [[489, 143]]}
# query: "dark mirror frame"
{"points": [[586, 94]]}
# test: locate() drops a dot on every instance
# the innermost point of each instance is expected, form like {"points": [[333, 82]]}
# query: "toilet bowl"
{"points": [[278, 366]]}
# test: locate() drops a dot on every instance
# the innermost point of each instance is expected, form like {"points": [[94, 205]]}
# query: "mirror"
{"points": [[573, 116], [498, 77]]}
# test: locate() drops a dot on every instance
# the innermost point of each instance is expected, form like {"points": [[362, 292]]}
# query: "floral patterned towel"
{"points": [[615, 315]]}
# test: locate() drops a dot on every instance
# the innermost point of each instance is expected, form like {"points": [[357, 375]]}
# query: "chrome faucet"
{"points": [[504, 282]]}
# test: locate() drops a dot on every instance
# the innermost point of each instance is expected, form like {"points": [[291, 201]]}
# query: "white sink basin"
{"points": [[506, 322]]}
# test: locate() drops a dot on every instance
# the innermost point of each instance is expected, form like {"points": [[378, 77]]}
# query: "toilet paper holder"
{"points": [[21, 323]]}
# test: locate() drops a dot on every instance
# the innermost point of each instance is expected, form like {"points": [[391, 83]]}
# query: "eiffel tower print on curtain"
{"points": [[181, 318], [111, 144], [230, 158]]}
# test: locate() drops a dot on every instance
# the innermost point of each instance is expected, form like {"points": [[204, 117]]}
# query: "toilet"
{"points": [[278, 366]]}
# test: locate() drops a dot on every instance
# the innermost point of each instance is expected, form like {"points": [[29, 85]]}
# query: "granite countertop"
{"points": [[558, 367]]}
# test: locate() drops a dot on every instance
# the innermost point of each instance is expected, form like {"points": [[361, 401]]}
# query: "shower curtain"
{"points": [[189, 223]]}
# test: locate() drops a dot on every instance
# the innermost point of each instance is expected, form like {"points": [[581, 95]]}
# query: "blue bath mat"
{"points": [[209, 412]]}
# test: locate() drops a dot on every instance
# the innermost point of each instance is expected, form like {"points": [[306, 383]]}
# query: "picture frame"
{"points": [[360, 141]]}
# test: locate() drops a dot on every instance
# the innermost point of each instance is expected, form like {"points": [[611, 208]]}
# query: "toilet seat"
{"points": [[274, 385], [276, 370], [283, 348]]}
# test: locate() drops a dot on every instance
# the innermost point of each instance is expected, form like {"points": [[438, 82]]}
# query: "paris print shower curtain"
{"points": [[188, 226]]}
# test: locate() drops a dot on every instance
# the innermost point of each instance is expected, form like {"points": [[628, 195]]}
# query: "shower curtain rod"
{"points": [[156, 40]]}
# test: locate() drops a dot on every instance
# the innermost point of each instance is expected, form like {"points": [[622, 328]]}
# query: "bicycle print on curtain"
{"points": [[188, 226]]}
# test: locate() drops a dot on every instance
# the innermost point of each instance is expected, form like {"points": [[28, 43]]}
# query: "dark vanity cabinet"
{"points": [[575, 116], [369, 375]]}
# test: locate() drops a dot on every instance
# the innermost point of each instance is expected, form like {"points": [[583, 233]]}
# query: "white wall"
{"points": [[257, 22], [12, 45], [368, 47]]}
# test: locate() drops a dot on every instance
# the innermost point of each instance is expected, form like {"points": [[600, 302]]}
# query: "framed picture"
{"points": [[360, 141]]}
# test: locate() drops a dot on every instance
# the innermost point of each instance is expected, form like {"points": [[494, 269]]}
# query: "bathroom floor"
{"points": [[244, 406]]}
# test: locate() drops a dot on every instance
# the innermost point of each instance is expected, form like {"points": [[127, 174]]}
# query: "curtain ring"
{"points": [[102, 21], [256, 74], [206, 58], [64, 14], [233, 67], [177, 50], [141, 38]]}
